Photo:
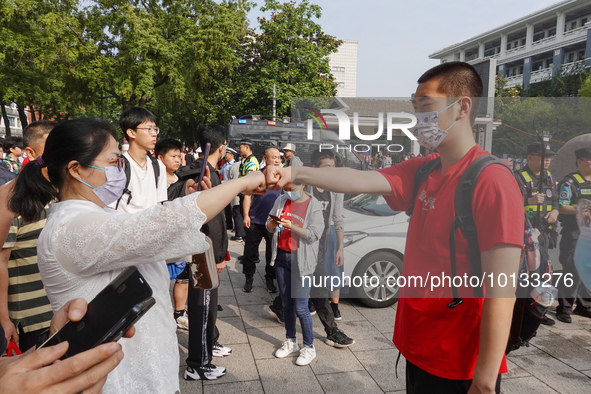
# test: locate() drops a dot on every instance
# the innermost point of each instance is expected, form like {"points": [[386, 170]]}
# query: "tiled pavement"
{"points": [[559, 359]]}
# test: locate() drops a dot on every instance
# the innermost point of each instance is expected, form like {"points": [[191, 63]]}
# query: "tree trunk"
{"points": [[6, 123], [22, 116], [143, 100], [126, 104], [32, 112]]}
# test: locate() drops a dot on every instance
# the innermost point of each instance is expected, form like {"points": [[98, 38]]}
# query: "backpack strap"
{"points": [[464, 220], [420, 177], [156, 167], [127, 170]]}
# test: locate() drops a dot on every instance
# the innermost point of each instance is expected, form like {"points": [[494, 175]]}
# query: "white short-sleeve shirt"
{"points": [[142, 185]]}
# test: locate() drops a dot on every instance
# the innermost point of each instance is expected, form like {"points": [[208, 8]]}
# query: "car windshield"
{"points": [[370, 204]]}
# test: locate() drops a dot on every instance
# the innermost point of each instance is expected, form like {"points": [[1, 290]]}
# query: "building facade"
{"points": [[14, 122], [533, 48], [343, 65]]}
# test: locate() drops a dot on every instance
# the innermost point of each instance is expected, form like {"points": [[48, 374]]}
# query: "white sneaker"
{"points": [[182, 322], [307, 354], [288, 347], [220, 350], [209, 372]]}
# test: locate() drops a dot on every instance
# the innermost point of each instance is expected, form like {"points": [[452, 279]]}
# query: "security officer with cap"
{"points": [[529, 178], [572, 188]]}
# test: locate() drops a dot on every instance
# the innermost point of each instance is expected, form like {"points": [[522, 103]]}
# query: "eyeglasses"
{"points": [[151, 130]]}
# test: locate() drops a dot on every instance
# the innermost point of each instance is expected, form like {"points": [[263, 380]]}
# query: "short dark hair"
{"points": [[213, 133], [167, 144], [317, 156], [12, 141], [133, 117], [457, 79], [33, 133], [81, 140]]}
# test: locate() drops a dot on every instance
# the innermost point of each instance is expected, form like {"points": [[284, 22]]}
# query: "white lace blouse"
{"points": [[83, 247]]}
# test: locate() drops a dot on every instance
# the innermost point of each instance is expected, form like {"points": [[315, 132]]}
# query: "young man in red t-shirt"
{"points": [[459, 349]]}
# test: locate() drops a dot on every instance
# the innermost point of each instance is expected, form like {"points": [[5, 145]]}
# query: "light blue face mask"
{"points": [[113, 188], [293, 196], [427, 130]]}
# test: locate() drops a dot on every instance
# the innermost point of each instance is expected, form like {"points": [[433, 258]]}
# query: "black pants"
{"points": [[254, 236], [203, 311], [568, 294], [238, 221], [419, 381], [229, 218]]}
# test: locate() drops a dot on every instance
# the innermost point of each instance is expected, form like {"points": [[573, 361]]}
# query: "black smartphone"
{"points": [[109, 315], [275, 218], [204, 165]]}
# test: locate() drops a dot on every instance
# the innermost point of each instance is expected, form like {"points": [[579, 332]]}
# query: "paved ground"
{"points": [[559, 359]]}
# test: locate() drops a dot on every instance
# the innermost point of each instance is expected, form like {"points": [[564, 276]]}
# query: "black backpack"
{"points": [[525, 322], [127, 170]]}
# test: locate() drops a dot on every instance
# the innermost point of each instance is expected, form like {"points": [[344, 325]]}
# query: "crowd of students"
{"points": [[90, 212]]}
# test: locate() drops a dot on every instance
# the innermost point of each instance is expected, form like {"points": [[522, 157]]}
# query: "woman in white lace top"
{"points": [[85, 244]]}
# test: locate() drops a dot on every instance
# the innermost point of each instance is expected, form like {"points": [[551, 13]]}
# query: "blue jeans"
{"points": [[291, 285]]}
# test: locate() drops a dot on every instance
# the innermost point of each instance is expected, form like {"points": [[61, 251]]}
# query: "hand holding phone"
{"points": [[109, 315], [275, 218]]}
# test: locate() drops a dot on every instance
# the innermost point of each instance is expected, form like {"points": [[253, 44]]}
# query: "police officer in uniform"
{"points": [[572, 188], [541, 208]]}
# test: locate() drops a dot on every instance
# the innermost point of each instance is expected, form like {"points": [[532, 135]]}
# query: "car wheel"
{"points": [[376, 293]]}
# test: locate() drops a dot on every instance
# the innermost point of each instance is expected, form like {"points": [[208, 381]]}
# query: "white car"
{"points": [[375, 238]]}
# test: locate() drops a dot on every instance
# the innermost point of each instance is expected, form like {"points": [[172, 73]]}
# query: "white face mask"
{"points": [[427, 130]]}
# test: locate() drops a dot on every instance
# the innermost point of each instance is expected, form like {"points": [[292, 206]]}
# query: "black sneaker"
{"points": [[220, 309], [338, 339], [547, 321], [209, 372], [235, 238], [335, 311], [277, 313], [582, 312], [564, 315], [248, 284], [271, 286], [311, 307]]}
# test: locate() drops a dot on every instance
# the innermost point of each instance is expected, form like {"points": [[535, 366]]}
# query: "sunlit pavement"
{"points": [[559, 359]]}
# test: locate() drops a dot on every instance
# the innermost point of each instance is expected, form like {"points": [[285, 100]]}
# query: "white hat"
{"points": [[289, 146], [230, 150], [199, 150]]}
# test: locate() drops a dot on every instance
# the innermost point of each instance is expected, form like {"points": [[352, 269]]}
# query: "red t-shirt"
{"points": [[440, 340], [296, 212]]}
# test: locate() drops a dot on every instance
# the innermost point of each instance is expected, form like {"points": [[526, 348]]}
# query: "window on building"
{"points": [[12, 121], [521, 70], [539, 36], [508, 46], [552, 32], [522, 41], [583, 21], [581, 55], [573, 25], [338, 69], [571, 57]]}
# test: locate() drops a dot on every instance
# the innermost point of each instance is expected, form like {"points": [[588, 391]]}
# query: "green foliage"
{"points": [[291, 52]]}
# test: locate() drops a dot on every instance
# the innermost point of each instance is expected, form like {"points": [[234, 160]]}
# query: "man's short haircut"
{"points": [[267, 149], [212, 133], [165, 145], [317, 156], [457, 79], [34, 132], [133, 117], [11, 142]]}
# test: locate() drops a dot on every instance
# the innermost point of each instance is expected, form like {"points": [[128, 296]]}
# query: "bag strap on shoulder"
{"points": [[420, 177], [127, 170], [464, 220]]}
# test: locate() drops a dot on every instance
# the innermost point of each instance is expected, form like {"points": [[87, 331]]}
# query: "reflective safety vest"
{"points": [[531, 188], [580, 188]]}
